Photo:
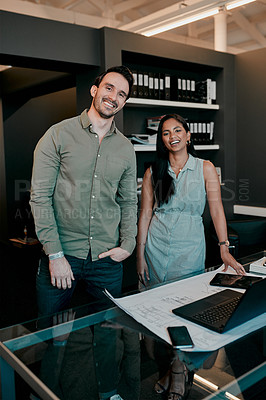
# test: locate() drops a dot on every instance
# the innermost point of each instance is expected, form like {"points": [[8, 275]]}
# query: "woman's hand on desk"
{"points": [[229, 260]]}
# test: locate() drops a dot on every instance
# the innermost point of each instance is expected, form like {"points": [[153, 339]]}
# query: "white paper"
{"points": [[153, 309]]}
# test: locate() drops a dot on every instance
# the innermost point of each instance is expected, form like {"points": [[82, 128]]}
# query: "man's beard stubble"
{"points": [[96, 103]]}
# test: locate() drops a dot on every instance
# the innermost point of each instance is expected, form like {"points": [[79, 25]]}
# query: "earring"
{"points": [[188, 142]]}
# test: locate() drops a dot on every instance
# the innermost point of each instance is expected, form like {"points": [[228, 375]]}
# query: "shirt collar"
{"points": [[86, 123], [190, 164]]}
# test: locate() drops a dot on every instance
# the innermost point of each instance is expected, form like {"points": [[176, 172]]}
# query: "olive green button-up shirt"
{"points": [[83, 194]]}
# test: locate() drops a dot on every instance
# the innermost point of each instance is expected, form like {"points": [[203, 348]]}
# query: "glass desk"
{"points": [[80, 353]]}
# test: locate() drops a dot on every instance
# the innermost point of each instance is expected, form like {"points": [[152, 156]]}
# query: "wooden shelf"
{"points": [[166, 103], [206, 146], [152, 147]]}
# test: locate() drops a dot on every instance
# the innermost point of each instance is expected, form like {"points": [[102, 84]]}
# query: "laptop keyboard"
{"points": [[217, 313]]}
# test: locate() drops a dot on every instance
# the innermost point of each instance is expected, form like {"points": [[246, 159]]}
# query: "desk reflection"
{"points": [[95, 362]]}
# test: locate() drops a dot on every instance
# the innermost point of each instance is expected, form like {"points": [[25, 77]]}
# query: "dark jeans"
{"points": [[97, 276]]}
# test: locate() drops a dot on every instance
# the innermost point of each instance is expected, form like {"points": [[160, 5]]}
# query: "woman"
{"points": [[171, 241]]}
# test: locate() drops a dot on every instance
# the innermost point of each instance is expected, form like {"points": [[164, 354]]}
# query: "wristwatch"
{"points": [[225, 243], [54, 256]]}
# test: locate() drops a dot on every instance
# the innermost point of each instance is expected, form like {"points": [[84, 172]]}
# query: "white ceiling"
{"points": [[246, 25]]}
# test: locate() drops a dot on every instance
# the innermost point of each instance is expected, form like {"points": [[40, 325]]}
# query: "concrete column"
{"points": [[220, 31]]}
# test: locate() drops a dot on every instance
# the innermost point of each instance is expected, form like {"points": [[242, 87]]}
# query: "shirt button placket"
{"points": [[94, 197]]}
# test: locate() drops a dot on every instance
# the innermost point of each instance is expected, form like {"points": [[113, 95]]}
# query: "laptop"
{"points": [[227, 309]]}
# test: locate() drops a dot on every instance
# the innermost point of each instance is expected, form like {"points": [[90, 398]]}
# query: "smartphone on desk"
{"points": [[234, 281], [180, 337]]}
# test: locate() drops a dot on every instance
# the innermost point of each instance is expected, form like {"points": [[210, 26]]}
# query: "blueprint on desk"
{"points": [[153, 309]]}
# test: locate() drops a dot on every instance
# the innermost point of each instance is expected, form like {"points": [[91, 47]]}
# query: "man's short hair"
{"points": [[122, 70]]}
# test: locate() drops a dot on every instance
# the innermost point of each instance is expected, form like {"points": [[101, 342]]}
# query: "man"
{"points": [[84, 203], [83, 197]]}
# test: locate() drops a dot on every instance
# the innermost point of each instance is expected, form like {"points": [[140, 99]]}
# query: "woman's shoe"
{"points": [[159, 388], [162, 385], [173, 395]]}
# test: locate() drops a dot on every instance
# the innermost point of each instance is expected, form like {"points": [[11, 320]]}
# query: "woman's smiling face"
{"points": [[174, 135]]}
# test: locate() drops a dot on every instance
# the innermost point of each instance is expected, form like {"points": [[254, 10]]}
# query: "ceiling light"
{"points": [[183, 21], [238, 3], [184, 16]]}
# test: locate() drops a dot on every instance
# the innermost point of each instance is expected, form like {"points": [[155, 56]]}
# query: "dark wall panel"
{"points": [[21, 133], [251, 128], [42, 39]]}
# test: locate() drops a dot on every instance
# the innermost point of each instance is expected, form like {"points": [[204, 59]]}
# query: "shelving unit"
{"points": [[150, 104], [152, 147], [154, 55], [138, 109], [166, 103]]}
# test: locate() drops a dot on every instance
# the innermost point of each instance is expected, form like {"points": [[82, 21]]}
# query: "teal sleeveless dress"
{"points": [[175, 244]]}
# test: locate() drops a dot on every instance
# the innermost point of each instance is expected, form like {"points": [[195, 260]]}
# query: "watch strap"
{"points": [[224, 243]]}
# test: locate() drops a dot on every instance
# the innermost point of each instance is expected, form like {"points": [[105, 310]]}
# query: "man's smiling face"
{"points": [[111, 95]]}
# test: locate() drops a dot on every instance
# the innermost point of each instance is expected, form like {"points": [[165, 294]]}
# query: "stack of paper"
{"points": [[258, 266]]}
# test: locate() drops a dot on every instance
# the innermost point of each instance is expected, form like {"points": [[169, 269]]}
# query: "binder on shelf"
{"points": [[192, 91], [146, 85], [156, 86], [179, 89], [200, 128], [184, 89], [213, 92], [211, 132], [188, 93], [201, 92], [174, 88], [204, 136], [134, 90], [208, 83], [206, 91], [167, 87], [202, 132], [161, 86], [151, 85], [140, 85], [196, 137]]}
